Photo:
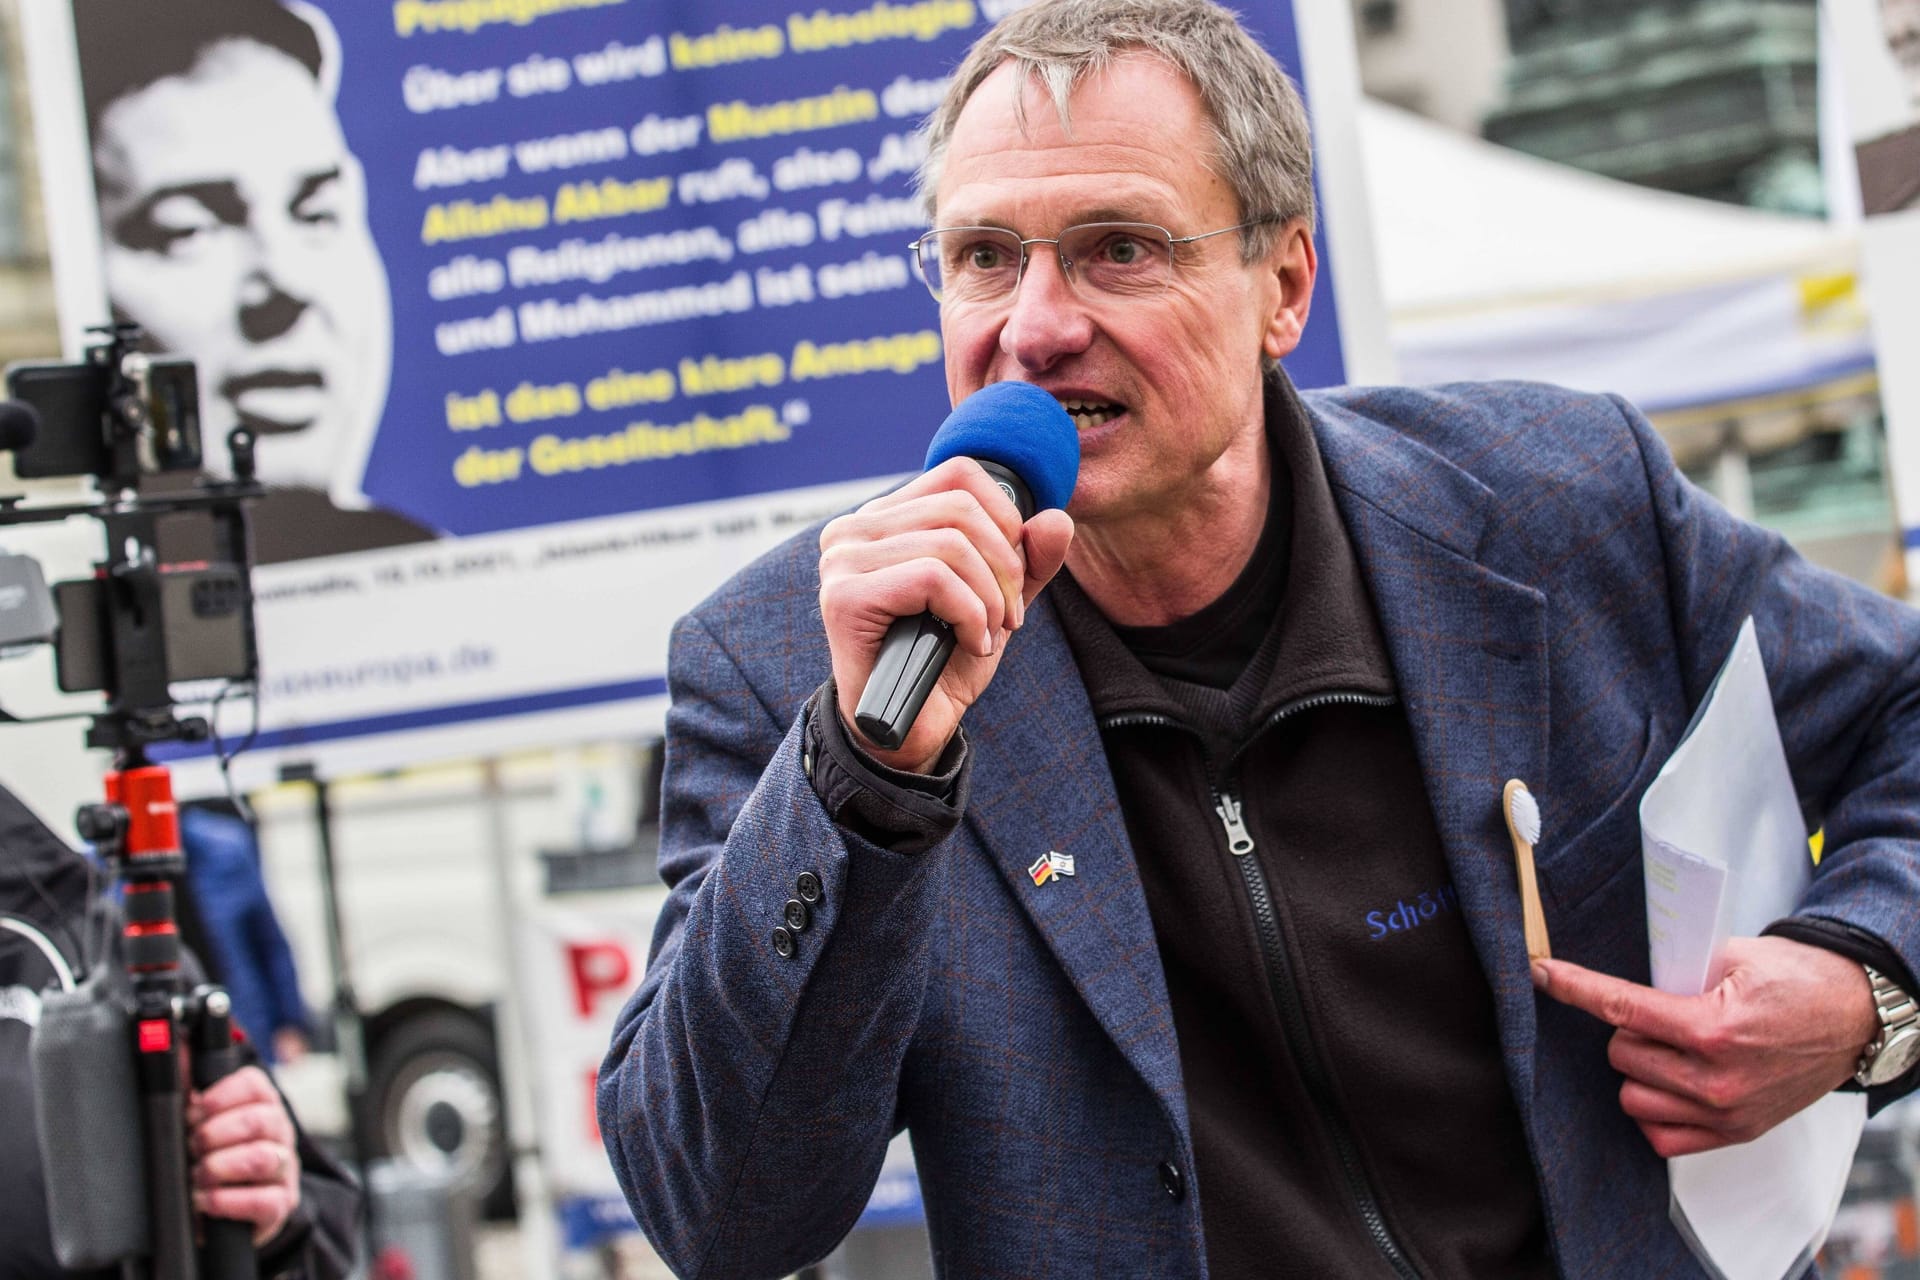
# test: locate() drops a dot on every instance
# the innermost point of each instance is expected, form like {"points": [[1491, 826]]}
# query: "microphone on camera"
{"points": [[86, 1115], [1026, 443]]}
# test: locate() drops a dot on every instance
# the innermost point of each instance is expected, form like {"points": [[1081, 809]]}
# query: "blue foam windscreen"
{"points": [[1022, 428]]}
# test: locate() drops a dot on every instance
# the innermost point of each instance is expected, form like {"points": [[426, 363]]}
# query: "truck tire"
{"points": [[434, 1102]]}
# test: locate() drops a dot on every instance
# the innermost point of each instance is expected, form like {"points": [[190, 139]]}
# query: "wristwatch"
{"points": [[1897, 1047]]}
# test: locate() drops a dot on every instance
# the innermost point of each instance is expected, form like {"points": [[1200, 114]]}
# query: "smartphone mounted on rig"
{"points": [[123, 414]]}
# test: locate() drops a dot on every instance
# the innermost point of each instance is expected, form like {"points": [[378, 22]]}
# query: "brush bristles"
{"points": [[1526, 815]]}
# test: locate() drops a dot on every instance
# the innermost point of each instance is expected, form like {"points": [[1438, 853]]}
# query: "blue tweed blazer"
{"points": [[1556, 600]]}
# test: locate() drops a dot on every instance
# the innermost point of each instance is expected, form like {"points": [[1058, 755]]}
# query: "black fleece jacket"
{"points": [[1349, 1103]]}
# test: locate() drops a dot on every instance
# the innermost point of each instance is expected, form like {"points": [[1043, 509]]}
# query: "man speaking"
{"points": [[1108, 932]]}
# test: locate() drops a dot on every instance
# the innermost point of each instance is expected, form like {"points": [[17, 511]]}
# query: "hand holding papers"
{"points": [[1726, 854]]}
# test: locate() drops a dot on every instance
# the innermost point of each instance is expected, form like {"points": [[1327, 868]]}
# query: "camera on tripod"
{"points": [[122, 414], [109, 1106]]}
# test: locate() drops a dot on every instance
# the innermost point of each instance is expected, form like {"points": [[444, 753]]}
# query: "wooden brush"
{"points": [[1523, 823]]}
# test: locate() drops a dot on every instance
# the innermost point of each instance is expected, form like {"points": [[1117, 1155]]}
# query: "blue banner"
{"points": [[640, 259], [573, 304]]}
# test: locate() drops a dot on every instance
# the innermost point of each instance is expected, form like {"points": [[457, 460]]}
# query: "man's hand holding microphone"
{"points": [[955, 544]]}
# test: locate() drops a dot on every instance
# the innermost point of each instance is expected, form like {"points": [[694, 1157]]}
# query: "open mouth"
{"points": [[1087, 414]]}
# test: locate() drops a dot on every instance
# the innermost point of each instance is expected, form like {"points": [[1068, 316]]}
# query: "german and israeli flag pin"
{"points": [[1050, 865]]}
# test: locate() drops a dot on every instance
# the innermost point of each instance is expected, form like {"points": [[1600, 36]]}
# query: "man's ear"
{"points": [[1293, 263]]}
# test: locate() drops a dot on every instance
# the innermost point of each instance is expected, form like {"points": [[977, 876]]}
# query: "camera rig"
{"points": [[129, 420]]}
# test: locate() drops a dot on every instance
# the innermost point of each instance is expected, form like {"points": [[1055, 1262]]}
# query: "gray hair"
{"points": [[1259, 125]]}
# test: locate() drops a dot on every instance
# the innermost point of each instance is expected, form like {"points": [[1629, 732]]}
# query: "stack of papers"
{"points": [[1726, 854]]}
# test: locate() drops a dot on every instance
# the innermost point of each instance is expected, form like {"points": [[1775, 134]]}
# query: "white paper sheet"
{"points": [[1686, 926], [1725, 851]]}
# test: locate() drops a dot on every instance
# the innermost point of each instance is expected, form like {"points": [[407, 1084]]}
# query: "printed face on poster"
{"points": [[547, 315], [1877, 49]]}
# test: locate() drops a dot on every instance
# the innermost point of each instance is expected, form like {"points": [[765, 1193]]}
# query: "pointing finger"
{"points": [[1629, 1006]]}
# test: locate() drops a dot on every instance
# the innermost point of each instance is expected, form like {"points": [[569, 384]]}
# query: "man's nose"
{"points": [[284, 278], [1047, 320], [267, 310]]}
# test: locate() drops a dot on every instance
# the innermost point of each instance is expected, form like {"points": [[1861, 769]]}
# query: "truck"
{"points": [[436, 872]]}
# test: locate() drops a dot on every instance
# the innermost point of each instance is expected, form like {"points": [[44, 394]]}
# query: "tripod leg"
{"points": [[170, 1208]]}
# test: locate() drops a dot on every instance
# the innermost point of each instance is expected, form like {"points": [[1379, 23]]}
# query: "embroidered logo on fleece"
{"points": [[1404, 916]]}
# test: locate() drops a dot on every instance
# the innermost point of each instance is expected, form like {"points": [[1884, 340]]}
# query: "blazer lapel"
{"points": [[1469, 651], [1040, 785]]}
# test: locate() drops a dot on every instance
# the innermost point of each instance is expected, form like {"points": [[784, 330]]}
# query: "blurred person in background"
{"points": [[250, 955]]}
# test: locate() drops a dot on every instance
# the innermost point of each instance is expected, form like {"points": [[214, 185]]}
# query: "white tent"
{"points": [[1500, 265]]}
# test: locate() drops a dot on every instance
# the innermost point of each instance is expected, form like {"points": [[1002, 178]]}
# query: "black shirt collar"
{"points": [[1316, 622]]}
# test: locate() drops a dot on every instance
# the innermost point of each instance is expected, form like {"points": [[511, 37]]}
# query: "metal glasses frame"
{"points": [[1066, 263]]}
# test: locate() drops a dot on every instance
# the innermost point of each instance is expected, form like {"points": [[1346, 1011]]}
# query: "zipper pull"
{"points": [[1239, 839]]}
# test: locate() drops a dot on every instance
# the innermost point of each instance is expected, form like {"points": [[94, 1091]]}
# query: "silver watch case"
{"points": [[1891, 1053]]}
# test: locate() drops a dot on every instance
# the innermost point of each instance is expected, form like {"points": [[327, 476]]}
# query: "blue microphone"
{"points": [[1026, 443]]}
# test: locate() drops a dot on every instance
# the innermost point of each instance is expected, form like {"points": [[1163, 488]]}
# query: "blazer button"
{"points": [[1171, 1182], [796, 914], [809, 888], [783, 944]]}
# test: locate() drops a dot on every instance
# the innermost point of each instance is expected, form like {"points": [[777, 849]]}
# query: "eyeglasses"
{"points": [[1108, 259]]}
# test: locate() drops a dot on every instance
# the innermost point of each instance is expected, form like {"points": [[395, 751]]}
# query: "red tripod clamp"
{"points": [[137, 831], [140, 803]]}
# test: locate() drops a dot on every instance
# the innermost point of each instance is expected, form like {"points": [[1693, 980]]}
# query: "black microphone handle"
{"points": [[915, 652]]}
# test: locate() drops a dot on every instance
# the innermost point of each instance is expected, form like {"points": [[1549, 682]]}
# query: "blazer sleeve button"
{"points": [[783, 945], [796, 915], [809, 889], [1171, 1182]]}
